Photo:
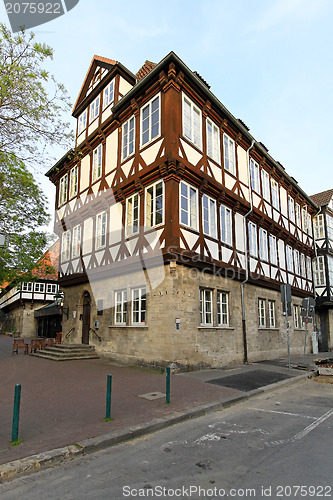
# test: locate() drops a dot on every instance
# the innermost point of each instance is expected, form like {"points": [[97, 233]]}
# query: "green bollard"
{"points": [[16, 412], [167, 399], [108, 398]]}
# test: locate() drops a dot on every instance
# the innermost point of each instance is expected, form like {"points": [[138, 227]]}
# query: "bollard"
{"points": [[167, 399], [16, 412], [108, 398]]}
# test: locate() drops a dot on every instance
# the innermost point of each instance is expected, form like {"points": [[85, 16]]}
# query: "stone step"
{"points": [[46, 355], [67, 352]]}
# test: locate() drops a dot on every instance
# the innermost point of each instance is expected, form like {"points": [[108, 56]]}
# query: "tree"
{"points": [[32, 104]]}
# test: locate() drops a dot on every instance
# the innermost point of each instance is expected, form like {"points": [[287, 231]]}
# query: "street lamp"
{"points": [[59, 299]]}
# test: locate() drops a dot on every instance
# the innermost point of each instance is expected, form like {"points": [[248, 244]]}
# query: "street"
{"points": [[276, 445]]}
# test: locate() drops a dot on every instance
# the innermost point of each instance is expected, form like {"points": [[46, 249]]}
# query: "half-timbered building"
{"points": [[20, 302], [323, 267], [177, 226]]}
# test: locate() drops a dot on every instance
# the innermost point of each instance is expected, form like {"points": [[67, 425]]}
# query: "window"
{"points": [[319, 230], [65, 247], [305, 218], [191, 122], [51, 288], [253, 246], [213, 141], [265, 184], [296, 317], [150, 121], [330, 269], [132, 215], [73, 181], [229, 154], [209, 216], [97, 163], [206, 307], [319, 271], [263, 247], [94, 109], [254, 172], [329, 221], [76, 243], [309, 225], [101, 230], [188, 205], [27, 287], [262, 313], [308, 268], [82, 122], [154, 204], [226, 225], [297, 262], [63, 189], [290, 262], [271, 314], [303, 266], [139, 306], [275, 194], [298, 215], [291, 209], [222, 308], [39, 287], [273, 249], [128, 138], [120, 307], [108, 94]]}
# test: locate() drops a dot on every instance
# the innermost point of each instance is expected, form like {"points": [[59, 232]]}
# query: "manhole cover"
{"points": [[150, 396], [250, 380]]}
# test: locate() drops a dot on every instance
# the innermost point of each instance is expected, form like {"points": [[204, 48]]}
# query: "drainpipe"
{"points": [[246, 256], [316, 256]]}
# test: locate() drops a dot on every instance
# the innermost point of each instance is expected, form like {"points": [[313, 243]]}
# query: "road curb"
{"points": [[35, 463]]}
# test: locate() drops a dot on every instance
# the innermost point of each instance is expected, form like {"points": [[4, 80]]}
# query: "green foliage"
{"points": [[32, 104], [17, 442]]}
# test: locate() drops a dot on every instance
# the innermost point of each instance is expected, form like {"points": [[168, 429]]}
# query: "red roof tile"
{"points": [[146, 68], [322, 198]]}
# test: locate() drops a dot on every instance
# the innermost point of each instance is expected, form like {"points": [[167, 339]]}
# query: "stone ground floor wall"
{"points": [[175, 300], [21, 321]]}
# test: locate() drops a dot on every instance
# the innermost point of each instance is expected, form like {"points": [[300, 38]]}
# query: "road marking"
{"points": [[283, 413], [315, 424]]}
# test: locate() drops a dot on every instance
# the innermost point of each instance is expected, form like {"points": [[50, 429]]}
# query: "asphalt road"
{"points": [[277, 445]]}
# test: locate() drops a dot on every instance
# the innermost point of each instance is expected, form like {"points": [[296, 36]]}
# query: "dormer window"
{"points": [[108, 95], [82, 122], [94, 109]]}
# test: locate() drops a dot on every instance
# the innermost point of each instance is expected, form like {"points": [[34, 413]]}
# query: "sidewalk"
{"points": [[63, 403]]}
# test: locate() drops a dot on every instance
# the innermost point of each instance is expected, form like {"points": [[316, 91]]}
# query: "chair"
{"points": [[49, 342], [36, 344], [19, 344]]}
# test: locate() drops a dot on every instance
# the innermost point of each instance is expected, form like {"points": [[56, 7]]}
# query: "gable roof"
{"points": [[322, 198], [97, 61], [145, 69]]}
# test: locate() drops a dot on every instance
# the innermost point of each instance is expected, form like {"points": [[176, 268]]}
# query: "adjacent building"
{"points": [[323, 267], [177, 227], [19, 303]]}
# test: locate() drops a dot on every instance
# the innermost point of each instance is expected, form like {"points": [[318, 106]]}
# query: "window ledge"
{"points": [[216, 328], [129, 326], [269, 328]]}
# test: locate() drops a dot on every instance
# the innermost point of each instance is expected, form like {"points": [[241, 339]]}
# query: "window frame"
{"points": [[271, 316], [219, 305], [210, 222], [153, 212], [229, 154], [319, 272], [76, 241], [273, 250], [291, 209], [289, 259], [27, 286], [126, 138], [66, 246], [192, 211], [82, 122], [319, 227], [73, 185], [53, 287], [253, 239], [39, 287], [192, 126], [97, 166], [94, 109], [255, 176], [108, 101], [150, 125], [203, 307], [275, 194], [63, 190], [263, 245], [261, 313], [100, 223], [140, 311], [130, 220], [123, 307], [265, 185], [226, 224], [213, 141]]}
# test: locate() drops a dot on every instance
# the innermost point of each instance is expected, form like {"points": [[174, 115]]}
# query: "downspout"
{"points": [[316, 256], [246, 256]]}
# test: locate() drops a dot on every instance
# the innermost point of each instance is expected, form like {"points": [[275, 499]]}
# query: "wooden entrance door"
{"points": [[86, 318]]}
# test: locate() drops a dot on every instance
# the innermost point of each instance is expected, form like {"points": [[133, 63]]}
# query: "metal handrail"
{"points": [[92, 330], [70, 331]]}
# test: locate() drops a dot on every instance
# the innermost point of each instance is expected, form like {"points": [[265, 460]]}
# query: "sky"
{"points": [[268, 61]]}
